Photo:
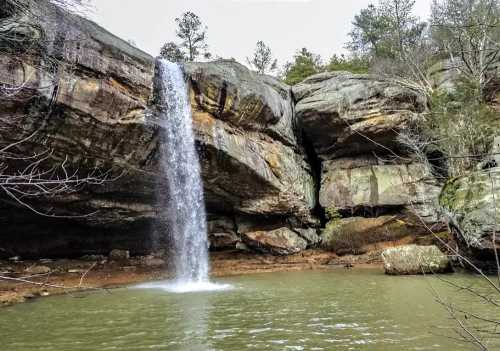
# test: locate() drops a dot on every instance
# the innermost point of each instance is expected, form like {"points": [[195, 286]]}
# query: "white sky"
{"points": [[234, 26]]}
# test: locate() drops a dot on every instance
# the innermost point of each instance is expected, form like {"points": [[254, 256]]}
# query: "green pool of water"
{"points": [[333, 310]]}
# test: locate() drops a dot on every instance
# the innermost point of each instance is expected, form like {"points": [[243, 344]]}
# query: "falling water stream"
{"points": [[180, 167]]}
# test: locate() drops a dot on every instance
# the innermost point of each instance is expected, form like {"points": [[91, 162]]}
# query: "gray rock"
{"points": [[354, 235], [251, 161], [93, 258], [351, 183], [471, 204], [309, 234], [221, 241], [119, 255], [445, 77], [246, 132], [151, 261], [413, 259], [242, 98], [351, 114], [38, 270], [282, 241], [222, 233], [242, 246]]}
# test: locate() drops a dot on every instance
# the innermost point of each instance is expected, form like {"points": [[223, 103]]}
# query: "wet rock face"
{"points": [[414, 259], [472, 205]]}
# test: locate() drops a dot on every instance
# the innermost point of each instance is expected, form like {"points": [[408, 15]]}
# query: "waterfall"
{"points": [[180, 167], [183, 207]]}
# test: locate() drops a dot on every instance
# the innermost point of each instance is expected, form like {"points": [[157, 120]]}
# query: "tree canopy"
{"points": [[304, 64], [262, 60], [193, 36]]}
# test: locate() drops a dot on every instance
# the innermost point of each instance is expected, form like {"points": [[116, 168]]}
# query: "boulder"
{"points": [[38, 270], [222, 233], [471, 203], [119, 255], [347, 114], [309, 234], [353, 123], [413, 259], [282, 241], [355, 235], [232, 93], [152, 262]]}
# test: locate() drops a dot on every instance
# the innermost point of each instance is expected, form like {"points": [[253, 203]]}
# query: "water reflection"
{"points": [[195, 312]]}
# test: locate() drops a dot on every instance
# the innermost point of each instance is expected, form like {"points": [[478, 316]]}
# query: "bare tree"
{"points": [[262, 59], [27, 173], [396, 43], [468, 31]]}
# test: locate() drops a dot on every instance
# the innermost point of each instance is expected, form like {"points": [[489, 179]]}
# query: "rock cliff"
{"points": [[277, 162], [87, 102], [472, 205], [354, 123]]}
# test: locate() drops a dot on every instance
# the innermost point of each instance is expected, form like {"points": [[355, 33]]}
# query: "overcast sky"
{"points": [[234, 26]]}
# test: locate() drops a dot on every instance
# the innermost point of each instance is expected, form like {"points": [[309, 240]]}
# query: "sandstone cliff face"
{"points": [[92, 110], [87, 100], [249, 142], [83, 97], [353, 114], [472, 205], [354, 122]]}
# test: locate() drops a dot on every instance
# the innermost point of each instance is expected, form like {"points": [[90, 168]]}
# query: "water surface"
{"points": [[333, 310]]}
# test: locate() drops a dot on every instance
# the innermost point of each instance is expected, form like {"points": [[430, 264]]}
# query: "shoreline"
{"points": [[77, 275]]}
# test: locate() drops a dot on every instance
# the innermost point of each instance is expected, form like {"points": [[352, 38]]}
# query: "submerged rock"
{"points": [[282, 241], [413, 259]]}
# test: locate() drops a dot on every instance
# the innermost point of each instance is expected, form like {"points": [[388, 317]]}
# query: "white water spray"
{"points": [[180, 167]]}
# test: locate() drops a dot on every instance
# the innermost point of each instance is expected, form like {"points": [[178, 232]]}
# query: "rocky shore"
{"points": [[48, 277]]}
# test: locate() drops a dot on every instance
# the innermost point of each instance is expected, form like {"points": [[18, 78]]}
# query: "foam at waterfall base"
{"points": [[180, 287]]}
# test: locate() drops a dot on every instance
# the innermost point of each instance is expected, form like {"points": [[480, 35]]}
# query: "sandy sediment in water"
{"points": [[79, 276]]}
